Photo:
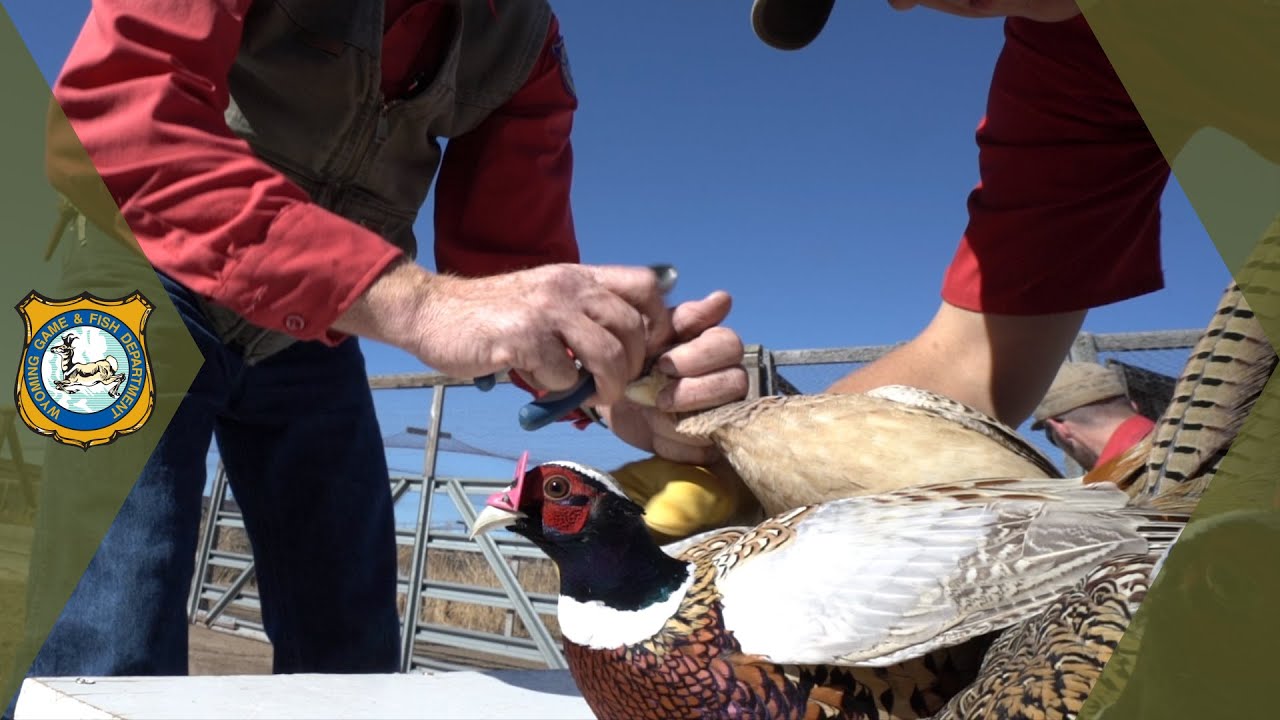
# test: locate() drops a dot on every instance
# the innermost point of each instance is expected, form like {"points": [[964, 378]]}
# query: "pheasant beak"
{"points": [[502, 508], [492, 517]]}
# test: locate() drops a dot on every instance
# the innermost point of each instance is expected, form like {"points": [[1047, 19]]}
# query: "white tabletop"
{"points": [[527, 695]]}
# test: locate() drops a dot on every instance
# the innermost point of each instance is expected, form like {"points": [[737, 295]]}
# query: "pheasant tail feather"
{"points": [[1220, 384]]}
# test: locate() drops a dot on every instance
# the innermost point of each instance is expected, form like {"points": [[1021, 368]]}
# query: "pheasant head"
{"points": [[615, 580]]}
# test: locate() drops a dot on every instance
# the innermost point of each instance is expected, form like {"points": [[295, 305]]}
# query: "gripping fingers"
{"points": [[691, 394], [640, 288], [601, 353], [690, 319], [673, 446], [549, 366], [626, 324], [715, 349], [681, 451]]}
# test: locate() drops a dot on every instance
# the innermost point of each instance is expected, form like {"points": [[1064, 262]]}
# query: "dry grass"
{"points": [[536, 576], [470, 568]]}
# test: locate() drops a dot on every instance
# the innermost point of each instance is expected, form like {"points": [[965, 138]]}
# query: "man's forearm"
{"points": [[999, 364], [394, 309], [918, 364]]}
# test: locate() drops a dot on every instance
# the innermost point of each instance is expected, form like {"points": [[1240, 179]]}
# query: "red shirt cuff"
{"points": [[308, 270]]}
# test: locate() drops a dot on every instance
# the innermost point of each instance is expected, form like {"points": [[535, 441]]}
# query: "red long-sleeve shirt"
{"points": [[144, 88], [1067, 213]]}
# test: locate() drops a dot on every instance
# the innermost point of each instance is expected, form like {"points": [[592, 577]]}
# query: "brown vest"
{"points": [[305, 94]]}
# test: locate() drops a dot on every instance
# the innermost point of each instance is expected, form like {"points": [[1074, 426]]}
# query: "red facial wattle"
{"points": [[509, 499], [566, 519]]}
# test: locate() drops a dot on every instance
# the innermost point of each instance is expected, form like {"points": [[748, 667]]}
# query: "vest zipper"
{"points": [[370, 137], [383, 124]]}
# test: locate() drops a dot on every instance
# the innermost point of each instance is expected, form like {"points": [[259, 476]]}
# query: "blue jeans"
{"points": [[304, 458]]}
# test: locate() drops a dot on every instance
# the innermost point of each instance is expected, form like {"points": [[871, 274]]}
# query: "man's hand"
{"points": [[706, 371], [610, 317]]}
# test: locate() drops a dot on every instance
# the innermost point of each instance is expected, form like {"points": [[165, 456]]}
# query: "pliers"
{"points": [[555, 406]]}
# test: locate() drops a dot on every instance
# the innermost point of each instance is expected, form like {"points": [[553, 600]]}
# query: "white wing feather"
{"points": [[869, 582]]}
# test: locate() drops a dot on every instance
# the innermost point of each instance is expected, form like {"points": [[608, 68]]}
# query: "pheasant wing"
{"points": [[703, 543], [876, 580]]}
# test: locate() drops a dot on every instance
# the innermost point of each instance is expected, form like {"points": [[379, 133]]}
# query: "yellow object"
{"points": [[681, 500]]}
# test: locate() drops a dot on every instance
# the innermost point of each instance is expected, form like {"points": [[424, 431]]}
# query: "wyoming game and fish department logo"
{"points": [[85, 377]]}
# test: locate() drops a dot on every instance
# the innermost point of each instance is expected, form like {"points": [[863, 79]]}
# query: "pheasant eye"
{"points": [[556, 487]]}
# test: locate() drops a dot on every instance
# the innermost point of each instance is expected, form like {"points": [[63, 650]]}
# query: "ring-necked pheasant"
{"points": [[874, 606], [793, 450]]}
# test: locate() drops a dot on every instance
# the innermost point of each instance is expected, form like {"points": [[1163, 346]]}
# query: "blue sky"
{"points": [[825, 189]]}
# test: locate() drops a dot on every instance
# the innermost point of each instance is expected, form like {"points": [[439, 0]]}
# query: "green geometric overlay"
{"points": [[57, 500], [1204, 75]]}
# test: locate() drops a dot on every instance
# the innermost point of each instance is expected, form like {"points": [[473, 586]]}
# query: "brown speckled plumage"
{"points": [[1046, 667], [1222, 380], [693, 668]]}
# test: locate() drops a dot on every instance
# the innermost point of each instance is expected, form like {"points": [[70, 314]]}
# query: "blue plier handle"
{"points": [[555, 406]]}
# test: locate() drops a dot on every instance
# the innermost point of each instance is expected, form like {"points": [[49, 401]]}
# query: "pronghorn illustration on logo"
{"points": [[85, 376], [81, 376]]}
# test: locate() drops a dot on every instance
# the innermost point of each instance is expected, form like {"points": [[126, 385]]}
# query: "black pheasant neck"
{"points": [[616, 563]]}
